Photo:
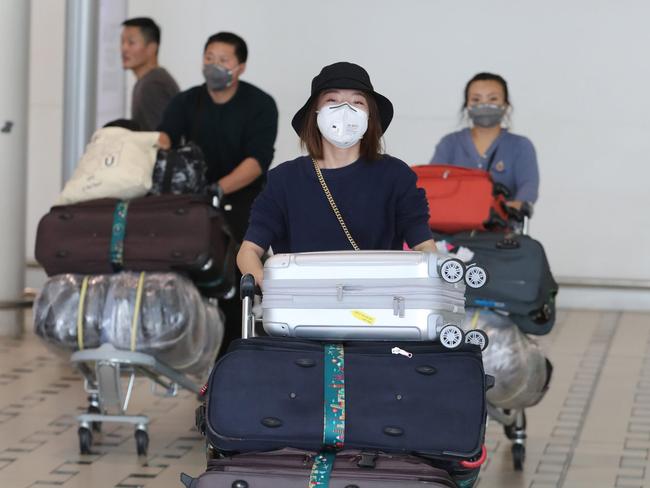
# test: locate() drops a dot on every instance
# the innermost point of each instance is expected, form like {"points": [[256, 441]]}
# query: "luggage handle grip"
{"points": [[247, 286], [512, 213], [476, 463], [247, 291]]}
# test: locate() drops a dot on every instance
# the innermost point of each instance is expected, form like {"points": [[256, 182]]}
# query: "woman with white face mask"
{"points": [[345, 194], [487, 144]]}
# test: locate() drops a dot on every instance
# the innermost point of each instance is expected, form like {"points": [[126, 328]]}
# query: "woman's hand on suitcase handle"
{"points": [[249, 260], [517, 210], [426, 246]]}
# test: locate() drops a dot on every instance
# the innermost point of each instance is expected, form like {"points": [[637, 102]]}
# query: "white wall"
{"points": [[577, 78], [577, 74]]}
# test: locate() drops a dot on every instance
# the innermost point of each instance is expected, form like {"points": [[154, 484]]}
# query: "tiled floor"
{"points": [[592, 429]]}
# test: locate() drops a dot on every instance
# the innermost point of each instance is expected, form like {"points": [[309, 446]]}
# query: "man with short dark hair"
{"points": [[232, 121], [235, 124], [154, 87]]}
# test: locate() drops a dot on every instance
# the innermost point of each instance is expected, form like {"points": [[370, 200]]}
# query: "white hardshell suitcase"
{"points": [[371, 295]]}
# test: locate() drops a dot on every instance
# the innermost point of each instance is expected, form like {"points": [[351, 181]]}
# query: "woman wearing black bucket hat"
{"points": [[345, 194]]}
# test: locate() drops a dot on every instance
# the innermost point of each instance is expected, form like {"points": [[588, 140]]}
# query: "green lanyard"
{"points": [[118, 231], [334, 415]]}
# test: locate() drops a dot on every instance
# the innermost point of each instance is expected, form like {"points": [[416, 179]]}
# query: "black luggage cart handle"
{"points": [[247, 291]]}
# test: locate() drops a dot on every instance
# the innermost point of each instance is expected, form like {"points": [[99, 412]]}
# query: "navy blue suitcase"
{"points": [[268, 393]]}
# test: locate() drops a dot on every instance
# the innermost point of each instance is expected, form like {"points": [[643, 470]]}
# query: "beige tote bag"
{"points": [[117, 163]]}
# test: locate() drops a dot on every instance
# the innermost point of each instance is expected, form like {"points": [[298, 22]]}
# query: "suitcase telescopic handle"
{"points": [[247, 294], [247, 286]]}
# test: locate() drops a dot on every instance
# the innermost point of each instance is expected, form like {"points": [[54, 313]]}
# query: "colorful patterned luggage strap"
{"points": [[334, 415], [118, 231]]}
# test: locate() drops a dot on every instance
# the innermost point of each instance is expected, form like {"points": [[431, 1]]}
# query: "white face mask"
{"points": [[342, 125]]}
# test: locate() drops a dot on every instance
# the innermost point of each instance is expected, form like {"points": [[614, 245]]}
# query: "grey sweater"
{"points": [[151, 94]]}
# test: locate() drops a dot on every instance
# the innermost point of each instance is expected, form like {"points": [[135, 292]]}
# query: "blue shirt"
{"points": [[514, 163], [378, 200]]}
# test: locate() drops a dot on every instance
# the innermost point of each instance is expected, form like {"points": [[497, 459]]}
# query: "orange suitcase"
{"points": [[462, 199]]}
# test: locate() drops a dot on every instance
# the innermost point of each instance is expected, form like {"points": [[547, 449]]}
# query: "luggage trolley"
{"points": [[514, 421], [248, 291], [103, 369]]}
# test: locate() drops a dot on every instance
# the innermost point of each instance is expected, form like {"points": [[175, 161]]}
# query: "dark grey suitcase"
{"points": [[290, 468], [521, 282]]}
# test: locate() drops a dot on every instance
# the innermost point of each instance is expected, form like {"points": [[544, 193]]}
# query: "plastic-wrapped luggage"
{"points": [[175, 324], [522, 372]]}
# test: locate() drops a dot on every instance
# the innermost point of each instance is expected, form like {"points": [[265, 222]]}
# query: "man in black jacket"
{"points": [[232, 121], [235, 124]]}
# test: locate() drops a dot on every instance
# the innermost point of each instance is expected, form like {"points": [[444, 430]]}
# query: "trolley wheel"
{"points": [[95, 426], [141, 442], [518, 456], [451, 336], [452, 270], [478, 338], [476, 277], [85, 440]]}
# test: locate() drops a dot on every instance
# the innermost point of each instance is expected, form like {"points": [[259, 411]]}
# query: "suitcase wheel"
{"points": [[477, 338], [85, 440], [476, 277], [141, 442], [518, 456], [451, 336], [452, 270]]}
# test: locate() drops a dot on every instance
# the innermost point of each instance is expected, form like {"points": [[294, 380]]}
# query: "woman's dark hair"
{"points": [[371, 147], [486, 77]]}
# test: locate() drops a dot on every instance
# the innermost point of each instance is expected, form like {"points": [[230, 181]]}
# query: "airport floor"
{"points": [[592, 429]]}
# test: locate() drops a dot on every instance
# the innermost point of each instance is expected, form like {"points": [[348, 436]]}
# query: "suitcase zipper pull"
{"points": [[398, 307], [402, 352], [339, 292]]}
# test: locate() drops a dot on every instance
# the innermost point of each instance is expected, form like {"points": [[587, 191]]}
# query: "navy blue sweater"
{"points": [[378, 200]]}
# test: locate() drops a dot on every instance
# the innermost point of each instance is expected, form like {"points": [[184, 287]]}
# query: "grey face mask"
{"points": [[486, 114], [217, 77]]}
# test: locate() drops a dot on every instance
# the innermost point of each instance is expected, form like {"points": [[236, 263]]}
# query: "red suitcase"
{"points": [[461, 199], [178, 233]]}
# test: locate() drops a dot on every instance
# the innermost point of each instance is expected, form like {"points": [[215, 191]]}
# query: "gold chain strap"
{"points": [[330, 199]]}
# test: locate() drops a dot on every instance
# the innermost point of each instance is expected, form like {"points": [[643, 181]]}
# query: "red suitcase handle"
{"points": [[478, 462]]}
